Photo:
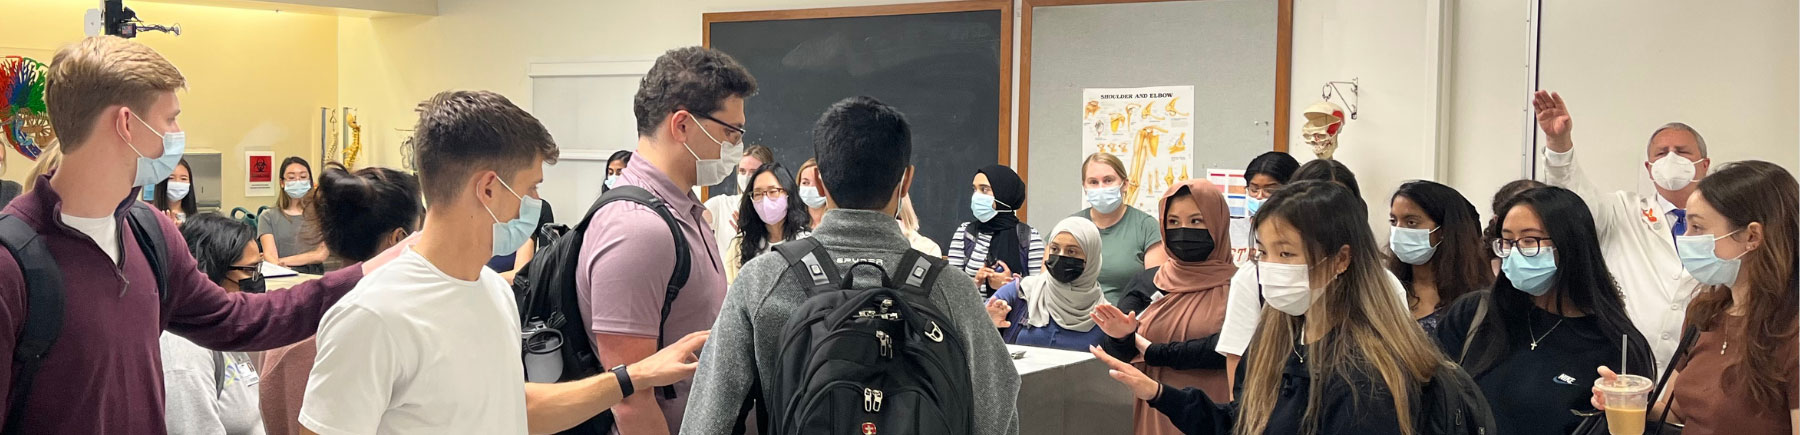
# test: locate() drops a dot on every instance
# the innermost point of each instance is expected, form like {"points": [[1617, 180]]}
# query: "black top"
{"points": [[1532, 391], [1366, 409], [1199, 353]]}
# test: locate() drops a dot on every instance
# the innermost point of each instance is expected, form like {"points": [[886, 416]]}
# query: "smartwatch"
{"points": [[625, 388]]}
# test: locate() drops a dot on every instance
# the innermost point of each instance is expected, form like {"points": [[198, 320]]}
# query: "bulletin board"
{"points": [[1234, 53]]}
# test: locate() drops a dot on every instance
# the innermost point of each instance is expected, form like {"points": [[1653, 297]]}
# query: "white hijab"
{"points": [[1071, 304]]}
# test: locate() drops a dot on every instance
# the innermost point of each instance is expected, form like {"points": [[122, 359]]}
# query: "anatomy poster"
{"points": [[1148, 129]]}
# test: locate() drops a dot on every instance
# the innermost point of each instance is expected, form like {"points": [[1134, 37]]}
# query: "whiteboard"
{"points": [[587, 108]]}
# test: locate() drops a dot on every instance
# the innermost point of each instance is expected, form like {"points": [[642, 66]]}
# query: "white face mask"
{"points": [[743, 182], [1672, 172], [1286, 287], [708, 172]]}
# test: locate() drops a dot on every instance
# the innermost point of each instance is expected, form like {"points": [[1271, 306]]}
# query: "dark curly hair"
{"points": [[355, 211], [696, 79]]}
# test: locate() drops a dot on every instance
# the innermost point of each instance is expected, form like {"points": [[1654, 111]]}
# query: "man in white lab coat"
{"points": [[1637, 234]]}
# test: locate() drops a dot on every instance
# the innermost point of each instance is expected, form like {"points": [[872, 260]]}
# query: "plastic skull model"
{"points": [[1324, 121]]}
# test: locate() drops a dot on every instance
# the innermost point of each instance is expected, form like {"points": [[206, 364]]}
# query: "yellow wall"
{"points": [[256, 78]]}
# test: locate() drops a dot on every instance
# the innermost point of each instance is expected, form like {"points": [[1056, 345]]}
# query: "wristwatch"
{"points": [[625, 388]]}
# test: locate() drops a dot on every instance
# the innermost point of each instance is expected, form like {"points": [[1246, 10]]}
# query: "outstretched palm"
{"points": [[1552, 115]]}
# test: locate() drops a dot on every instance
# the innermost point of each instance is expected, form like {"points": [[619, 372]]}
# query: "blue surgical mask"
{"points": [[1413, 246], [1251, 205], [1530, 274], [151, 171], [1105, 199], [810, 195], [297, 188], [612, 181], [1697, 257], [983, 206], [510, 235]]}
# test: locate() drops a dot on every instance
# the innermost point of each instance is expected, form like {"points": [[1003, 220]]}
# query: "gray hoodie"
{"points": [[746, 339]]}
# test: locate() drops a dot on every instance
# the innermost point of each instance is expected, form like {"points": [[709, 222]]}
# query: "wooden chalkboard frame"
{"points": [[1006, 46], [1284, 54]]}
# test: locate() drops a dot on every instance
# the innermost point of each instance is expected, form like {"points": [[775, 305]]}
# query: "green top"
{"points": [[1122, 249]]}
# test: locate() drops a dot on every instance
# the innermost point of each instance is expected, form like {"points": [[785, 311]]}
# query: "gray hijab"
{"points": [[1071, 305]]}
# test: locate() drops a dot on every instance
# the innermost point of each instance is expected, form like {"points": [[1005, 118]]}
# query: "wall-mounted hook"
{"points": [[1331, 89]]}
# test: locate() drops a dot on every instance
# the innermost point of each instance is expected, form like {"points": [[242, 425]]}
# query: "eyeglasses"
{"points": [[1530, 246], [1260, 191], [728, 127], [254, 271], [759, 194]]}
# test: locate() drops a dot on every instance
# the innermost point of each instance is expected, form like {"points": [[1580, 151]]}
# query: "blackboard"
{"points": [[948, 71]]}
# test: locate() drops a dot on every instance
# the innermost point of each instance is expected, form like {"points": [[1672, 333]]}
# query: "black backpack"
{"points": [[868, 360], [557, 344], [1452, 403], [44, 296]]}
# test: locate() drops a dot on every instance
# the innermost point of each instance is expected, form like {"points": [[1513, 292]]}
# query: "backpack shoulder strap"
{"points": [[919, 271], [1024, 235], [808, 261], [218, 358], [677, 278], [1481, 310], [148, 232], [43, 307]]}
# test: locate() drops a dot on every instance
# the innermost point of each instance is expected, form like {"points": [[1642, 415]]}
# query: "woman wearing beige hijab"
{"points": [[1173, 340], [1055, 308]]}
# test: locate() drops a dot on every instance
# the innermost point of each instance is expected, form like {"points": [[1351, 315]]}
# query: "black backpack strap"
{"points": [[43, 312], [149, 235], [1688, 337], [1474, 327], [918, 271], [683, 261], [218, 374], [809, 262]]}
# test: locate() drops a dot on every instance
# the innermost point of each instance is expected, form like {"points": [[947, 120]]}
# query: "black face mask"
{"points": [[1190, 245], [1065, 269], [253, 284]]}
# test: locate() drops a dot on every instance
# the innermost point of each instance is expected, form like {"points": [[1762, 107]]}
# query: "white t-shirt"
{"points": [[104, 231], [721, 207], [413, 351], [1244, 308]]}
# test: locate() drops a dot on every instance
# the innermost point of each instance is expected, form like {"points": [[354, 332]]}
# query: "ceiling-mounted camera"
{"points": [[113, 18]]}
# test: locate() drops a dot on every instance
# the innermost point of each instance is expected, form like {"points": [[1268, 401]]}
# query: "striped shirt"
{"points": [[969, 260]]}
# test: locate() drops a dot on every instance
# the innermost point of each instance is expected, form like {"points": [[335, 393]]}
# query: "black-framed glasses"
{"points": [[732, 128], [254, 271], [1529, 246], [759, 194]]}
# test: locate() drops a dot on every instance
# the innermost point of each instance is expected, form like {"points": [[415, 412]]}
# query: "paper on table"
{"points": [[272, 270]]}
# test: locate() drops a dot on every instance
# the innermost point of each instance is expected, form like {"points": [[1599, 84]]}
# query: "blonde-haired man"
{"points": [[113, 104]]}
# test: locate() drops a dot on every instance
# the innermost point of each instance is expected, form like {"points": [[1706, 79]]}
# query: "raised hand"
{"points": [[671, 364], [1553, 118], [997, 310], [1115, 323], [1141, 386]]}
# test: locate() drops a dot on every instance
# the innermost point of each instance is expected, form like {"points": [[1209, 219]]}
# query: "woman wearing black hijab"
{"points": [[996, 248]]}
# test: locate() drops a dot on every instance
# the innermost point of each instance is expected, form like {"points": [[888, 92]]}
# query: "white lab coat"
{"points": [[1640, 252]]}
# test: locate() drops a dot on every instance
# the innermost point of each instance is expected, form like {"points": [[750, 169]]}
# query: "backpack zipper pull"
{"points": [[868, 400], [877, 400], [887, 344]]}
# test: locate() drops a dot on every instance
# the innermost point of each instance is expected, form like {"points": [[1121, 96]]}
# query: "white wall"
{"points": [[1384, 43], [1625, 67]]}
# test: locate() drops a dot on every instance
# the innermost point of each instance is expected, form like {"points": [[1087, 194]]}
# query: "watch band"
{"points": [[625, 387]]}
